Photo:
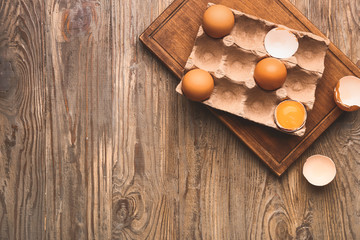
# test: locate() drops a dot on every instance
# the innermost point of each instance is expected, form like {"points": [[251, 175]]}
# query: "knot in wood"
{"points": [[79, 20], [123, 214]]}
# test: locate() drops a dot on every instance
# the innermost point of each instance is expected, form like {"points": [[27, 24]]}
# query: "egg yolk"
{"points": [[290, 115]]}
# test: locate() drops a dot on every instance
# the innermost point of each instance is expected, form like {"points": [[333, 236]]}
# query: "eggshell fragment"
{"points": [[346, 93], [281, 43], [319, 170]]}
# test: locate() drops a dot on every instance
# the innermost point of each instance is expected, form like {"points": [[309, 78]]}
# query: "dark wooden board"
{"points": [[171, 37]]}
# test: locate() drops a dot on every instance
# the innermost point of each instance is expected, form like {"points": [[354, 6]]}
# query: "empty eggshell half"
{"points": [[319, 170], [281, 43], [346, 93]]}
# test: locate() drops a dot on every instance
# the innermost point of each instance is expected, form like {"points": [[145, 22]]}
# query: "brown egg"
{"points": [[197, 85], [270, 73], [218, 21]]}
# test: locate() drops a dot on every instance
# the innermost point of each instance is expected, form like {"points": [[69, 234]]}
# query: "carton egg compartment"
{"points": [[231, 61], [311, 53], [228, 96], [261, 109], [300, 85], [239, 66], [249, 33], [207, 54]]}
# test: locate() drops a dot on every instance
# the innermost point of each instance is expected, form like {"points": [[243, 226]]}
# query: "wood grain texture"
{"points": [[96, 144], [79, 123], [22, 120]]}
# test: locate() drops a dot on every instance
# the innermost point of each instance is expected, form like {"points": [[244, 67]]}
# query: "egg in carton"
{"points": [[231, 61]]}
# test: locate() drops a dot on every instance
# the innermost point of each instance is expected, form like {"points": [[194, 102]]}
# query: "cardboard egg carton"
{"points": [[231, 61]]}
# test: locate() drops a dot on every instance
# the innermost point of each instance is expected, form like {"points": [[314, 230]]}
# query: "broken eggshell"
{"points": [[346, 93], [319, 170], [281, 43]]}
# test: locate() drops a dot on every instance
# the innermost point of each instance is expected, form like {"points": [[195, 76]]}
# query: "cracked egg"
{"points": [[290, 115]]}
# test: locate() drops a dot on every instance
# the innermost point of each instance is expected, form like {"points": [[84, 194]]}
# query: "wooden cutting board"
{"points": [[171, 37]]}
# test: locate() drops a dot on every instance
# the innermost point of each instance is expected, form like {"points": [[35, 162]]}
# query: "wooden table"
{"points": [[96, 144]]}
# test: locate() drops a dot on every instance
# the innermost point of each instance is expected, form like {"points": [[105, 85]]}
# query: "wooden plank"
{"points": [[180, 24], [22, 120], [144, 167], [79, 147]]}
